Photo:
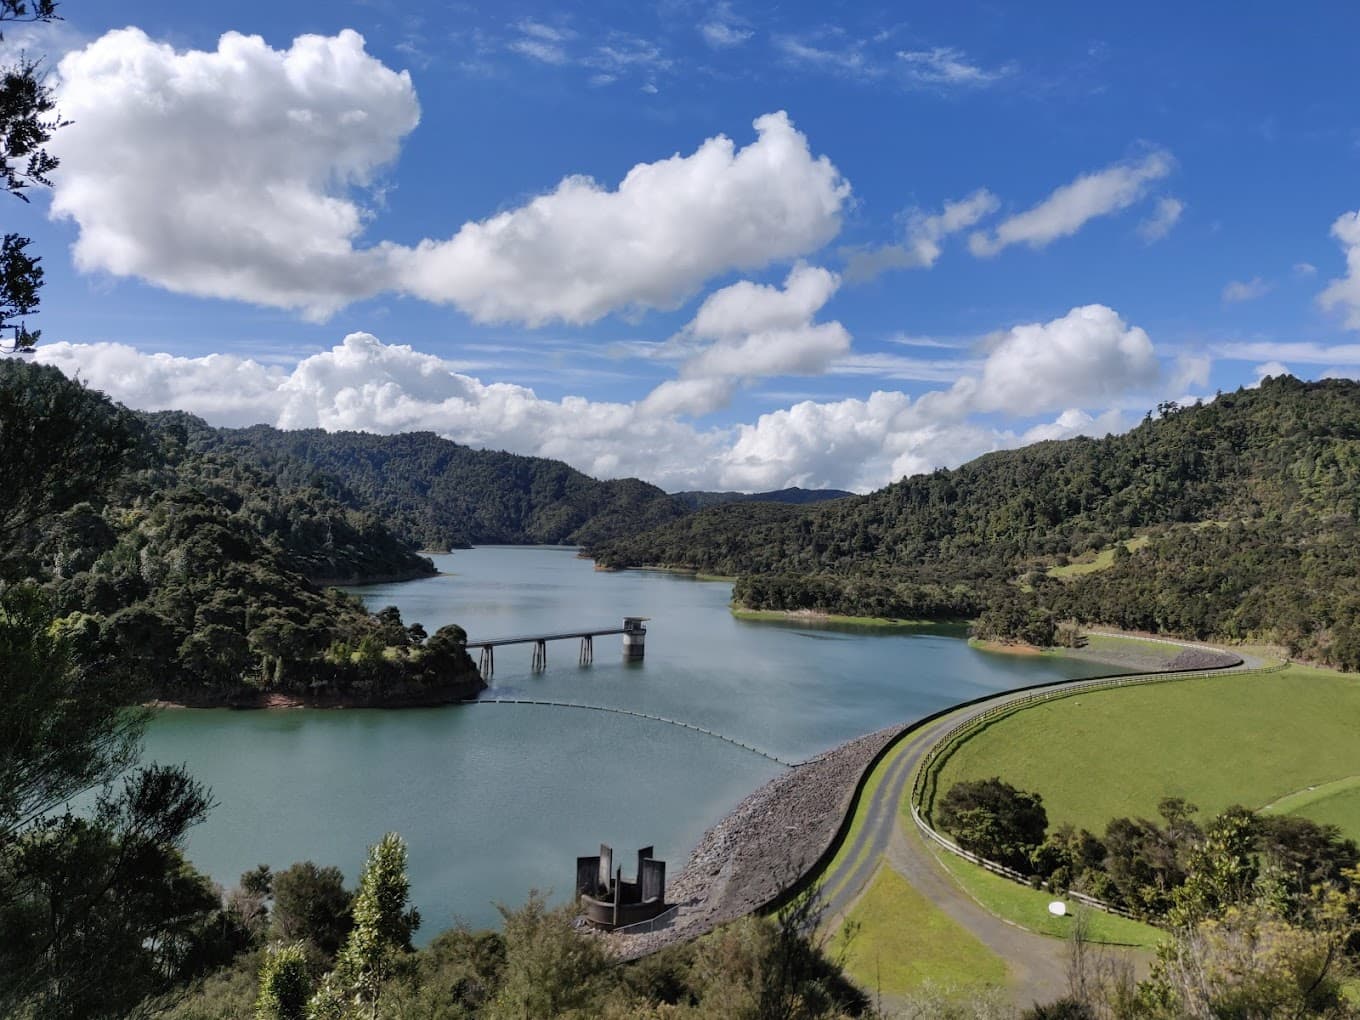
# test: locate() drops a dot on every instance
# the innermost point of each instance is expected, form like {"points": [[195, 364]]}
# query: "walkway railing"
{"points": [[661, 920], [927, 774]]}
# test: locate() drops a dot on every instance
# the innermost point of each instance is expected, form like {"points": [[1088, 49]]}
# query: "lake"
{"points": [[496, 799]]}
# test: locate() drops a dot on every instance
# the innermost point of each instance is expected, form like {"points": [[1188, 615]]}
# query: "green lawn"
{"points": [[1216, 741], [903, 942], [1028, 907]]}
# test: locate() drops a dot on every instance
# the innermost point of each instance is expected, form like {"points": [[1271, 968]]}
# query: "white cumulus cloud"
{"points": [[1071, 206], [370, 386], [583, 250], [240, 173], [1345, 291], [1071, 367], [228, 173], [1087, 357], [750, 331]]}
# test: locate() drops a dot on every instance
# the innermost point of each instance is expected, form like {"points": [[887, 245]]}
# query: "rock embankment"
{"points": [[763, 846], [1204, 658]]}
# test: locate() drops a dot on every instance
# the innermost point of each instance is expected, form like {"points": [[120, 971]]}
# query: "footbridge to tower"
{"points": [[634, 633]]}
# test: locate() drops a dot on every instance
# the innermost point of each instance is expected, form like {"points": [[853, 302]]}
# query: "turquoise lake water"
{"points": [[496, 799]]}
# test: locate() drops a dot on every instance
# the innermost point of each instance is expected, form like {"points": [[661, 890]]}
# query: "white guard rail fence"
{"points": [[927, 775]]}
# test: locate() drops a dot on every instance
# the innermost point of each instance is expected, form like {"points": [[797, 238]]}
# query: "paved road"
{"points": [[1036, 962]]}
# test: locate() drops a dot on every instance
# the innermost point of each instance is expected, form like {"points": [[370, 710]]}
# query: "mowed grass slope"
{"points": [[1215, 741], [1336, 803], [902, 941]]}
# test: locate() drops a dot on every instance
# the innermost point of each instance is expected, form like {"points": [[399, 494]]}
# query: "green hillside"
{"points": [[184, 574], [440, 495], [1277, 467]]}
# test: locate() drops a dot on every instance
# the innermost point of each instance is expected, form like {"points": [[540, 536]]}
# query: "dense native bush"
{"points": [[1251, 503]]}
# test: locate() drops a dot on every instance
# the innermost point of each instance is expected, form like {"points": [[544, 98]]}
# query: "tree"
{"points": [[27, 120], [60, 444], [99, 912], [1221, 869], [994, 819], [64, 728], [311, 904], [1245, 963], [549, 968], [381, 936], [20, 278], [284, 984]]}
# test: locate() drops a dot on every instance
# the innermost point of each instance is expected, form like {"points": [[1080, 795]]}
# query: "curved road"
{"points": [[1037, 963]]}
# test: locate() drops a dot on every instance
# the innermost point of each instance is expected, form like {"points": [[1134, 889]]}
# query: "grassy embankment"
{"points": [[1216, 741], [901, 941]]}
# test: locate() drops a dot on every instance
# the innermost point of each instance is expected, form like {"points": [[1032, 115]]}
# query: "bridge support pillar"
{"points": [[486, 662], [587, 650], [540, 655]]}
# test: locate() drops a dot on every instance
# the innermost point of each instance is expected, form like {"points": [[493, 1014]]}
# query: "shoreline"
{"points": [[694, 572], [268, 701], [815, 616], [398, 577]]}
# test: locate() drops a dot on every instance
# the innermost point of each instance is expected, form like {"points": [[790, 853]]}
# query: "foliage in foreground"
{"points": [[540, 965]]}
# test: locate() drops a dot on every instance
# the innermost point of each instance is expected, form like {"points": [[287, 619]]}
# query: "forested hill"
{"points": [[1275, 471], [698, 499], [182, 574], [438, 494]]}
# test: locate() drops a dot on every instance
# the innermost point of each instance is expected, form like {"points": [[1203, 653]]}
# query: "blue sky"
{"points": [[860, 240]]}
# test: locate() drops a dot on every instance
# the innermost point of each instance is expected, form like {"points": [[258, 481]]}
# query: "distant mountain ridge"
{"points": [[438, 494], [796, 496]]}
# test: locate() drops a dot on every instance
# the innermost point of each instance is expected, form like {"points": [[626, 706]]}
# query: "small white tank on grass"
{"points": [[1057, 908]]}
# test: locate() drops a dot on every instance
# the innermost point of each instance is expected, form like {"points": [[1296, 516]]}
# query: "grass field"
{"points": [[1089, 563], [1028, 907], [904, 941], [1216, 741]]}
